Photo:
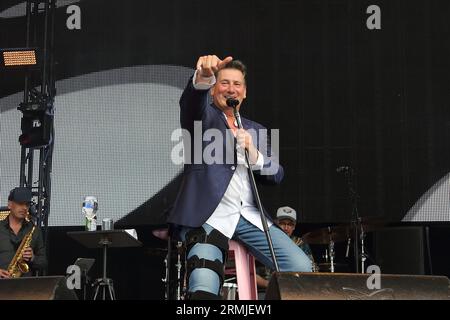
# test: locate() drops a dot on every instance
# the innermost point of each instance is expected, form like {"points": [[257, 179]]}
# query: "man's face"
{"points": [[287, 225], [230, 83], [18, 209]]}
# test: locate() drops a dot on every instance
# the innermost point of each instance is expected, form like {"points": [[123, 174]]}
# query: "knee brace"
{"points": [[216, 239]]}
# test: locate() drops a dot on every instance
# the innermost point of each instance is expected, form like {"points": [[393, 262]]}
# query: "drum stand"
{"points": [[179, 265], [331, 249], [363, 253], [356, 224], [167, 279]]}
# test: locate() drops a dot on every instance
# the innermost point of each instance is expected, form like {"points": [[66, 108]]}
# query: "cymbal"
{"points": [[326, 235]]}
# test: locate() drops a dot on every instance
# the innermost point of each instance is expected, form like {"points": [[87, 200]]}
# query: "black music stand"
{"points": [[104, 239]]}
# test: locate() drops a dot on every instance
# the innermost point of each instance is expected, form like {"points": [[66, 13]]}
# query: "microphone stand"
{"points": [[234, 103], [167, 263], [356, 220]]}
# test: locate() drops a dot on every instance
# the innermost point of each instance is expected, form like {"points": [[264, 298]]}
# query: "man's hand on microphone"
{"points": [[207, 66], [245, 140]]}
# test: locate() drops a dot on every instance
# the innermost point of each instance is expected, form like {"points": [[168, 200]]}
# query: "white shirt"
{"points": [[238, 198]]}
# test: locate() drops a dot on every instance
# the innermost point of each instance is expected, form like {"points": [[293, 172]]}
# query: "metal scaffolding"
{"points": [[38, 109]]}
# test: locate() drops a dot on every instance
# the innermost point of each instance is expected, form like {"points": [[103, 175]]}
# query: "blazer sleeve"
{"points": [[192, 104]]}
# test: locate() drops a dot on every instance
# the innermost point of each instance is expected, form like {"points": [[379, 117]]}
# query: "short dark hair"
{"points": [[235, 64]]}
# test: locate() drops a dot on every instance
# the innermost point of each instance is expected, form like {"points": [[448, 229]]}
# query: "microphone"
{"points": [[232, 103]]}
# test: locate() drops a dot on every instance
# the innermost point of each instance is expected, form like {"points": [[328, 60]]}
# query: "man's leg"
{"points": [[206, 253], [289, 256]]}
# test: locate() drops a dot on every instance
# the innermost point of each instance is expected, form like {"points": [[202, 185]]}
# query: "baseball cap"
{"points": [[20, 194], [286, 213]]}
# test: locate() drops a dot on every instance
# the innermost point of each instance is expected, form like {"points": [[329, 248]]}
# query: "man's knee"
{"points": [[214, 238], [210, 265], [298, 263], [305, 266]]}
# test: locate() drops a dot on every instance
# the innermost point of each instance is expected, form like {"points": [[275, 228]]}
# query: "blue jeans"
{"points": [[289, 256]]}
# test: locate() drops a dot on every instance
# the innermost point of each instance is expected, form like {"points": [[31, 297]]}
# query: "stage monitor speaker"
{"points": [[351, 286], [36, 288]]}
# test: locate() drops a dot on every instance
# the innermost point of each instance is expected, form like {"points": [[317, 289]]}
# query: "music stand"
{"points": [[104, 239]]}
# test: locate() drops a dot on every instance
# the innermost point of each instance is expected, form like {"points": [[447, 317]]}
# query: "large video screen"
{"points": [[342, 89]]}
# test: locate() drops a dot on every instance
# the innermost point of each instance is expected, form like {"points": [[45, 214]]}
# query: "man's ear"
{"points": [[211, 91], [245, 92], [9, 205]]}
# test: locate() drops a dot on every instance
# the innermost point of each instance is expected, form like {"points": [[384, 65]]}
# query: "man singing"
{"points": [[215, 202]]}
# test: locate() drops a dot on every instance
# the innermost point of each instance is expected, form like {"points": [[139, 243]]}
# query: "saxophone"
{"points": [[18, 266]]}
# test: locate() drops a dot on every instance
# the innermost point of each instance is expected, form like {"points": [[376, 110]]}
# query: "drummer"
{"points": [[286, 219]]}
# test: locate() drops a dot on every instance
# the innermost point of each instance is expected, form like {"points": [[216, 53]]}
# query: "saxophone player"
{"points": [[14, 228]]}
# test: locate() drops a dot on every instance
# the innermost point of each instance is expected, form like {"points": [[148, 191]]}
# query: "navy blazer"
{"points": [[203, 185]]}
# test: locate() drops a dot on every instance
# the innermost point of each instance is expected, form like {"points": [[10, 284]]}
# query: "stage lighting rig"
{"points": [[19, 58]]}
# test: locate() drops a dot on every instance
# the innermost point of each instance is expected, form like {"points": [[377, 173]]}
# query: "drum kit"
{"points": [[331, 235]]}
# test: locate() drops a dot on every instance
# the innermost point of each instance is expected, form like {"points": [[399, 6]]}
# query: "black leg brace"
{"points": [[215, 238]]}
